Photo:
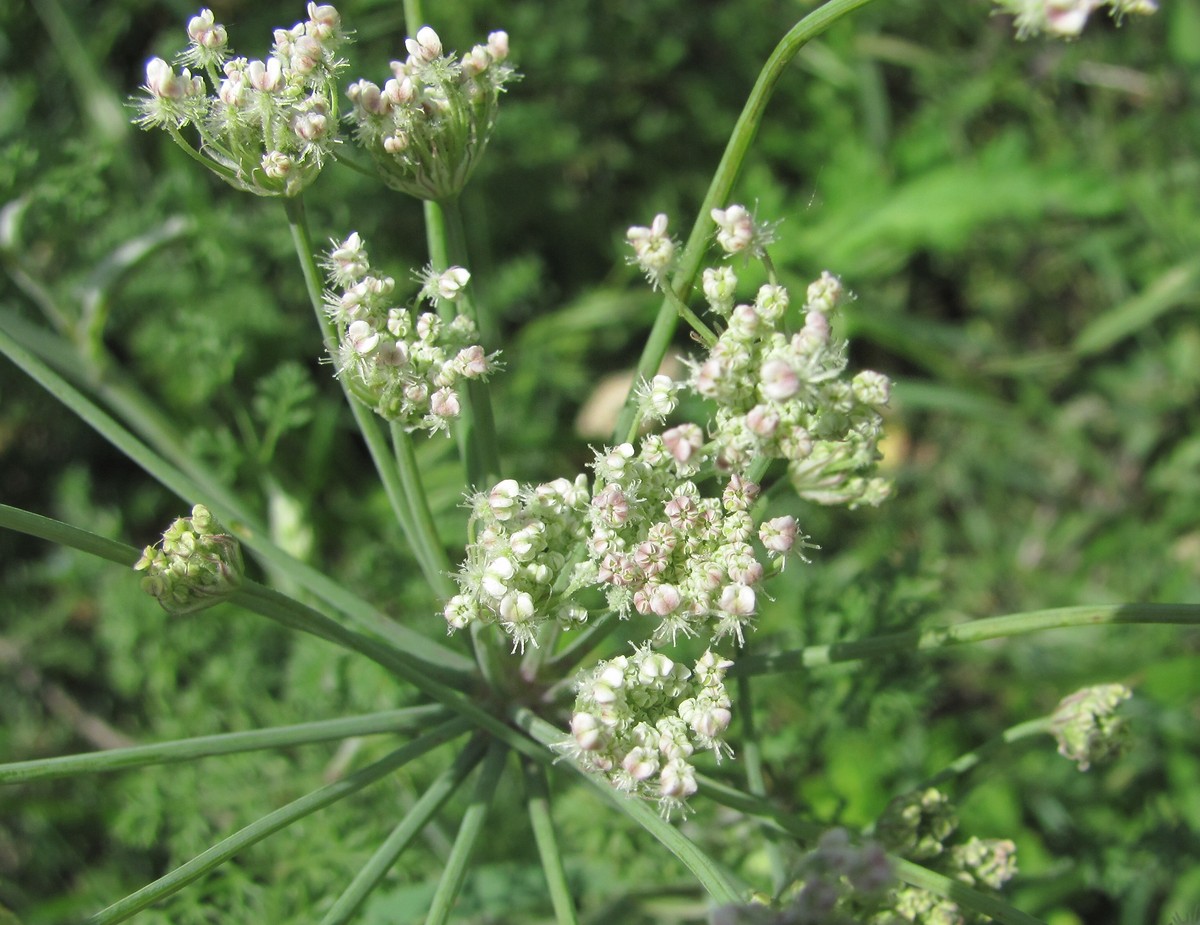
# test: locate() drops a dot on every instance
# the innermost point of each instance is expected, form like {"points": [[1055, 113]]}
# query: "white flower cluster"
{"points": [[268, 126], [662, 549], [640, 718], [1066, 18], [519, 552], [782, 396], [403, 363], [426, 127]]}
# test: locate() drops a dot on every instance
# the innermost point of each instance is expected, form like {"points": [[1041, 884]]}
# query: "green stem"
{"points": [[974, 631], [455, 870], [271, 604], [402, 835], [411, 719], [271, 823], [972, 759], [537, 799], [424, 536], [723, 886], [721, 186], [368, 425], [475, 428], [755, 781]]}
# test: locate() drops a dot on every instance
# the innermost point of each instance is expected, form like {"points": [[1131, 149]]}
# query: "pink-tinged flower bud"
{"points": [[516, 607], [1066, 18], [735, 228], [815, 332], [162, 81], [323, 21], [233, 91], [444, 404], [392, 353], [205, 32], [779, 381], [824, 294], [737, 599], [476, 61], [400, 91], [449, 284], [762, 421], [585, 729], [362, 337], [683, 442], [395, 144], [778, 535], [497, 44], [267, 77], [426, 46], [368, 96], [710, 722], [744, 322], [306, 54], [677, 780], [472, 362], [664, 600], [708, 378], [310, 126], [640, 763]]}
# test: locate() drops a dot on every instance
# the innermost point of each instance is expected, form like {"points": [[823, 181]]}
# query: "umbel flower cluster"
{"points": [[1066, 18], [265, 126], [403, 363], [671, 530], [195, 565], [427, 126]]}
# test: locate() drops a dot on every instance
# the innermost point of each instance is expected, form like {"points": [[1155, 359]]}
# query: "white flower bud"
{"points": [[426, 46], [586, 730]]}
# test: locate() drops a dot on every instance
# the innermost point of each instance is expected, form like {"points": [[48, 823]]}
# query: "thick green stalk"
{"points": [[455, 871], [402, 835], [411, 719], [975, 631], [271, 823], [537, 800], [719, 189]]}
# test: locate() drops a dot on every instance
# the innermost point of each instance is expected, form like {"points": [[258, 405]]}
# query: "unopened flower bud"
{"points": [[196, 564]]}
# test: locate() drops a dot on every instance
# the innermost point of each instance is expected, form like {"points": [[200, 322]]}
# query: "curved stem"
{"points": [[719, 189], [975, 631]]}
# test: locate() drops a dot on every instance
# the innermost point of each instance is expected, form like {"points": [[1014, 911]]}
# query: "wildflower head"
{"points": [[1087, 726], [426, 127], [653, 250], [403, 362], [195, 565], [264, 126], [739, 233], [1065, 19]]}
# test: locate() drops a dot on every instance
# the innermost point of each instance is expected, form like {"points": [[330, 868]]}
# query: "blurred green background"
{"points": [[1020, 223]]}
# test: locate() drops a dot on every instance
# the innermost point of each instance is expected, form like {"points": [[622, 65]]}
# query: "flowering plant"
{"points": [[601, 625]]}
